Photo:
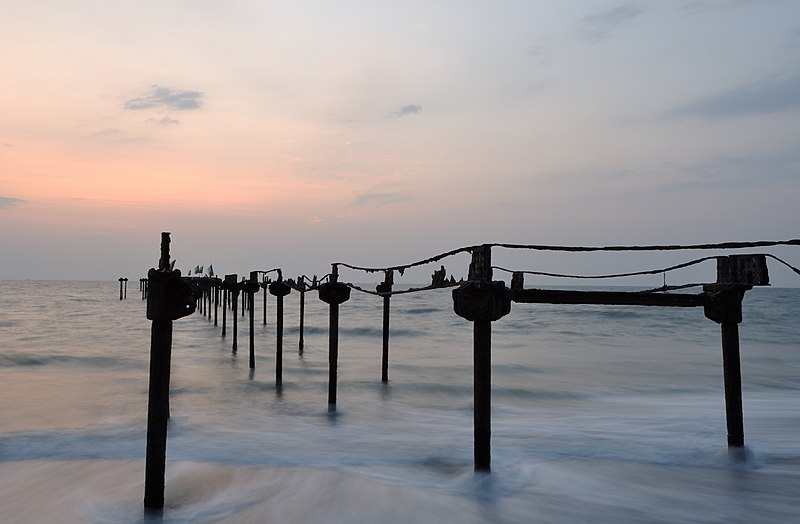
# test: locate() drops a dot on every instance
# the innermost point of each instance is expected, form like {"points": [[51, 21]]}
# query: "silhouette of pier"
{"points": [[479, 299]]}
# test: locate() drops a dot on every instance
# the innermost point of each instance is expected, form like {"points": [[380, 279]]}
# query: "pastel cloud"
{"points": [[379, 197], [159, 97], [773, 94], [600, 26], [9, 202], [411, 109]]}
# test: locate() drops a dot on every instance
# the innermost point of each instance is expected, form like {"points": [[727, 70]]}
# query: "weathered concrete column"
{"points": [[333, 293], [169, 299], [279, 289], [385, 289], [482, 301]]}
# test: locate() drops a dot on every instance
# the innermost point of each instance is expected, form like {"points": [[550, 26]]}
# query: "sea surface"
{"points": [[599, 413]]}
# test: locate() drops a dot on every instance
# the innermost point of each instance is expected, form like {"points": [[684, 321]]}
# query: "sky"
{"points": [[296, 134]]}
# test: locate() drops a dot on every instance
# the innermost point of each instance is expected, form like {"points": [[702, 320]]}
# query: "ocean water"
{"points": [[599, 413]]}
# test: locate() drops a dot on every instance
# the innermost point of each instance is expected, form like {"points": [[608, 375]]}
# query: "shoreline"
{"points": [[111, 491]]}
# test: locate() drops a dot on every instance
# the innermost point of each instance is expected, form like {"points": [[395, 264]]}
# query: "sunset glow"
{"points": [[295, 134]]}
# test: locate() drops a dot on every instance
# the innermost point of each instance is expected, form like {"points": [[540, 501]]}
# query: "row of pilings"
{"points": [[240, 297], [480, 300]]}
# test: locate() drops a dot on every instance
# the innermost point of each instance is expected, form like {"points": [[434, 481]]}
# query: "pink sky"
{"points": [[301, 134]]}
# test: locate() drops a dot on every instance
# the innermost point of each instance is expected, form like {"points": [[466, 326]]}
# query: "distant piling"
{"points": [[235, 287], [301, 286], [251, 287]]}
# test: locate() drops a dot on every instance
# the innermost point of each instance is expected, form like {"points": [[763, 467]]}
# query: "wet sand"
{"points": [[111, 491]]}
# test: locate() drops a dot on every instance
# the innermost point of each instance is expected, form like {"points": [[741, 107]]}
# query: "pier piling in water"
{"points": [[301, 287], [736, 275], [333, 293], [279, 289], [251, 287], [385, 289], [482, 301], [169, 299]]}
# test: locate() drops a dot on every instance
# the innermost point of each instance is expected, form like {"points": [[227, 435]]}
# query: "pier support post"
{"points": [[264, 284], [279, 289], [482, 301], [736, 274], [301, 286], [250, 288], [215, 282], [333, 293], [209, 295], [385, 289], [231, 287], [235, 315], [225, 288], [169, 299]]}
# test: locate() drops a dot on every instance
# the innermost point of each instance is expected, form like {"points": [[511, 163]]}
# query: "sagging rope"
{"points": [[617, 275], [537, 247], [451, 283], [404, 291]]}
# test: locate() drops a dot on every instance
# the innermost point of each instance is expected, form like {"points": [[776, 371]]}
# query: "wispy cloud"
{"points": [[10, 201], [379, 197], [737, 171], [704, 6], [163, 97], [164, 121], [539, 54], [598, 27], [108, 132], [794, 39], [773, 94], [410, 109]]}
